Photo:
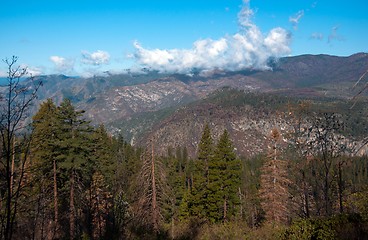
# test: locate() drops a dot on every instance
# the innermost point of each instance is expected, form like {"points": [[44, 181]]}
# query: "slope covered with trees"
{"points": [[63, 178], [80, 182]]}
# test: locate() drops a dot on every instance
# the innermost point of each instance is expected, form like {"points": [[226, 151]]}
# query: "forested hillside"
{"points": [[117, 99], [236, 164], [249, 118]]}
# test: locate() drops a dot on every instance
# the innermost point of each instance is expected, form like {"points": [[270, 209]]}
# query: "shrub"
{"points": [[310, 229]]}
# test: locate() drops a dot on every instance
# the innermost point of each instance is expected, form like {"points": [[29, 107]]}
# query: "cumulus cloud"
{"points": [[294, 20], [317, 36], [33, 71], [334, 35], [248, 48], [62, 65], [96, 58]]}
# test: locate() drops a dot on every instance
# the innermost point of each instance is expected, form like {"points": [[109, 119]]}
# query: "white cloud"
{"points": [[96, 58], [294, 20], [62, 65], [277, 42], [245, 15], [334, 35], [317, 36], [249, 48], [30, 71], [33, 71]]}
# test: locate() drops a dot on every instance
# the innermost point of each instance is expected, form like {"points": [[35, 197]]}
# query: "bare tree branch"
{"points": [[15, 100], [365, 87]]}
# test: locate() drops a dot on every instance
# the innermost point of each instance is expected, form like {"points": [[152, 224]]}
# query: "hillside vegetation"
{"points": [[176, 157]]}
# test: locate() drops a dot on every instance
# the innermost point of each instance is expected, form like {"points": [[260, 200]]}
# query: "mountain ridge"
{"points": [[134, 104]]}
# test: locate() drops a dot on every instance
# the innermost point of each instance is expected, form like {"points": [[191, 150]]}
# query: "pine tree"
{"points": [[275, 184], [186, 201], [44, 152], [103, 179], [224, 181], [103, 153], [101, 203], [174, 167], [123, 186], [75, 147], [198, 199], [128, 164]]}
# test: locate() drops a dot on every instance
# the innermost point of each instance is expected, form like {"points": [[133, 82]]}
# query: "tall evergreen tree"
{"points": [[127, 165], [75, 147], [198, 198], [184, 209], [103, 153], [44, 153], [224, 181], [100, 204]]}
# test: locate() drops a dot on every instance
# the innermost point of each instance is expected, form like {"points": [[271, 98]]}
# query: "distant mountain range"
{"points": [[143, 105]]}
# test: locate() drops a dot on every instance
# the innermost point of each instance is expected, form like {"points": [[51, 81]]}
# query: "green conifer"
{"points": [[224, 181], [198, 198], [44, 153], [75, 148]]}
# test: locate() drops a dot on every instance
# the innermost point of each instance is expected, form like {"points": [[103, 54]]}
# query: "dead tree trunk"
{"points": [[151, 186], [15, 101], [72, 208], [155, 213], [340, 187], [56, 212], [306, 195]]}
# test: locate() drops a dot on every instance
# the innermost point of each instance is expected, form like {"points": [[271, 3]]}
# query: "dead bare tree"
{"points": [[151, 191], [275, 183], [365, 87], [327, 146], [16, 98], [354, 100]]}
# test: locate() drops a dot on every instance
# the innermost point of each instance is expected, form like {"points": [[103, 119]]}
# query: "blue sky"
{"points": [[80, 37]]}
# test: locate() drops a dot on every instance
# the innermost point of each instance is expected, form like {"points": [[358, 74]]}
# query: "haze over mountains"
{"points": [[136, 104]]}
